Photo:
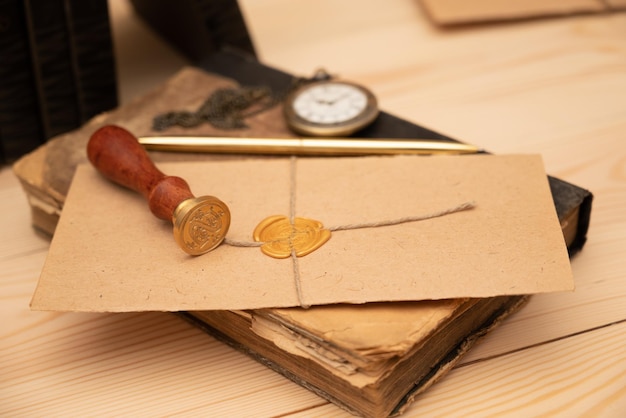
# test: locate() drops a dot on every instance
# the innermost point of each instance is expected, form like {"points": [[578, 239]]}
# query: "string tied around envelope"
{"points": [[293, 237]]}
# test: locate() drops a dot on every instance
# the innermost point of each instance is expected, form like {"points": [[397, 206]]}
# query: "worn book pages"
{"points": [[110, 254], [365, 350]]}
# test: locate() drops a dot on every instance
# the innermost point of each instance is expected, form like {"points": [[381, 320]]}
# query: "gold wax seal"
{"points": [[200, 224], [279, 236]]}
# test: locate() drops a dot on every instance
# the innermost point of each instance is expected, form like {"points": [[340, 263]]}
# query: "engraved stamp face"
{"points": [[201, 224], [279, 236]]}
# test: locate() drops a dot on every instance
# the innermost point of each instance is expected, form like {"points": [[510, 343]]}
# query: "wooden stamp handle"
{"points": [[118, 155]]}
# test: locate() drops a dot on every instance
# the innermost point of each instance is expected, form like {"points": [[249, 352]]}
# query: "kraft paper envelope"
{"points": [[109, 253]]}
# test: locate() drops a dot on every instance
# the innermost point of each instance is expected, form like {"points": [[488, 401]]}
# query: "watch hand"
{"points": [[335, 100]]}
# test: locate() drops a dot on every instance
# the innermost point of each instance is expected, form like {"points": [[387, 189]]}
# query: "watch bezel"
{"points": [[344, 128]]}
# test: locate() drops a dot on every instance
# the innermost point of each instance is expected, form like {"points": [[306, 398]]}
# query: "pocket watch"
{"points": [[330, 108]]}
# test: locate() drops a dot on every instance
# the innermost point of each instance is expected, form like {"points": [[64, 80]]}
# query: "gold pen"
{"points": [[305, 146]]}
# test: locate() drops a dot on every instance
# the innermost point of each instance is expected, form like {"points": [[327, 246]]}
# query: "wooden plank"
{"points": [[150, 363], [580, 376]]}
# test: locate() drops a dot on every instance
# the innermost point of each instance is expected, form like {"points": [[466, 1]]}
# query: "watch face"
{"points": [[330, 108]]}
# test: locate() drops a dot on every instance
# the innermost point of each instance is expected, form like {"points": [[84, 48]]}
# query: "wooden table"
{"points": [[554, 86]]}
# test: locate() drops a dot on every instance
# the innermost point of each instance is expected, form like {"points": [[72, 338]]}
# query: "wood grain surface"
{"points": [[551, 86]]}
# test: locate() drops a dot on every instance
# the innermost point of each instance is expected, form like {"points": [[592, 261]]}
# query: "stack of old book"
{"points": [[392, 309]]}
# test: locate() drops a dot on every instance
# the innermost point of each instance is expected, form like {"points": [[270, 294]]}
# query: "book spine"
{"points": [[52, 64], [20, 128], [92, 59]]}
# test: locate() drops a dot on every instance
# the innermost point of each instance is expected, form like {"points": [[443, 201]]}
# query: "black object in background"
{"points": [[198, 28], [57, 70]]}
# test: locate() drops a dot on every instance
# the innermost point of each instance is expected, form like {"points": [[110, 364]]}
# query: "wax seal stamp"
{"points": [[200, 223], [279, 236]]}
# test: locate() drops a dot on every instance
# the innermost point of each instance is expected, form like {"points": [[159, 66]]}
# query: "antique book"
{"points": [[371, 359]]}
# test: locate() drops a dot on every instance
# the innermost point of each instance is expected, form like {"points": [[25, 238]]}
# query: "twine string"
{"points": [[292, 220], [292, 189], [296, 278], [389, 222], [238, 243]]}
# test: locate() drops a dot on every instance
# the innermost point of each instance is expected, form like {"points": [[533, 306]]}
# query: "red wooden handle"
{"points": [[119, 156]]}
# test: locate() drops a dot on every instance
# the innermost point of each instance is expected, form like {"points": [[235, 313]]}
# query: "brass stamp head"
{"points": [[279, 236], [200, 224]]}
